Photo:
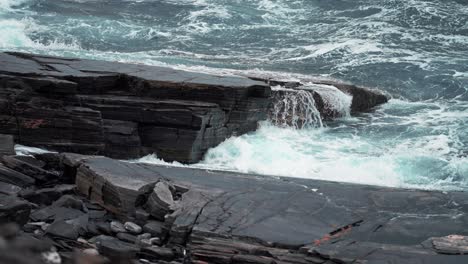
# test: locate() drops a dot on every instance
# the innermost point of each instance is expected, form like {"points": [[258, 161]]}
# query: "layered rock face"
{"points": [[123, 110], [120, 212], [127, 110]]}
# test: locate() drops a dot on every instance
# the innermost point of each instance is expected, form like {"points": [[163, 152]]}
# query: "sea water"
{"points": [[415, 50]]}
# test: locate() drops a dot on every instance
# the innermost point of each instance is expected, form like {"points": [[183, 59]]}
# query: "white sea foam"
{"points": [[8, 5], [29, 151]]}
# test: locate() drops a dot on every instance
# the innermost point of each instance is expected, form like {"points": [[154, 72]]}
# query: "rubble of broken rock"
{"points": [[70, 208]]}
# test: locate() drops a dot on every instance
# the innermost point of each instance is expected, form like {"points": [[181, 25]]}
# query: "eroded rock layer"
{"points": [[123, 110], [128, 110]]}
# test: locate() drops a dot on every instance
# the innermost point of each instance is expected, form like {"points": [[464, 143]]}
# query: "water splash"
{"points": [[295, 108], [336, 103]]}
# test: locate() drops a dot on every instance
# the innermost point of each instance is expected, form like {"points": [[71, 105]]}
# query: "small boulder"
{"points": [[13, 177], [116, 249], [141, 216], [155, 253], [9, 189], [104, 227], [30, 169], [53, 213], [155, 228], [117, 227], [47, 196], [14, 209], [160, 201], [126, 237], [133, 228], [156, 241], [70, 229], [69, 201]]}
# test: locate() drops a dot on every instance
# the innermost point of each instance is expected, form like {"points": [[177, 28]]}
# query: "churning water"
{"points": [[416, 50]]}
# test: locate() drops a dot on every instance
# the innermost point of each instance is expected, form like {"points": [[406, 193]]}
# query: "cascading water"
{"points": [[294, 108], [297, 107]]}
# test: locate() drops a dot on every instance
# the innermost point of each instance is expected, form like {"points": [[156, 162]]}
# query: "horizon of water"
{"points": [[415, 50]]}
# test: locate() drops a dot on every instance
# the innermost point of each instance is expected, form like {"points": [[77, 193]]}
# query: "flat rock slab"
{"points": [[288, 213]]}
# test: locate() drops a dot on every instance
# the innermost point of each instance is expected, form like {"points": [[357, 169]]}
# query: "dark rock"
{"points": [[70, 163], [29, 169], [155, 228], [52, 160], [31, 160], [13, 209], [117, 227], [9, 189], [116, 249], [157, 253], [141, 216], [31, 227], [126, 237], [160, 201], [156, 241], [104, 227], [47, 196], [9, 230], [124, 110], [51, 213], [248, 259], [144, 236], [70, 201], [107, 183], [98, 214], [13, 177], [186, 215], [452, 244], [363, 98], [145, 242], [7, 145], [133, 228], [70, 229]]}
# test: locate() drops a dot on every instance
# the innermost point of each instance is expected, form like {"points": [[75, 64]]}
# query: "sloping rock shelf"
{"points": [[98, 209]]}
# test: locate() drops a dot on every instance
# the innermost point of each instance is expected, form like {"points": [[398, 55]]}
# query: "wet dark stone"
{"points": [[51, 213], [9, 189], [125, 110], [160, 201], [14, 209], [115, 249], [29, 168], [70, 201], [47, 196], [104, 227], [126, 237], [155, 228], [8, 175], [157, 253]]}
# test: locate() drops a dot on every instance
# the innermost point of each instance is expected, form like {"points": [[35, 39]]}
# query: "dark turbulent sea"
{"points": [[416, 50]]}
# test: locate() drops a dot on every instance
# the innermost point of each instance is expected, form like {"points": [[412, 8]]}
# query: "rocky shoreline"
{"points": [[76, 206], [126, 111], [71, 208]]}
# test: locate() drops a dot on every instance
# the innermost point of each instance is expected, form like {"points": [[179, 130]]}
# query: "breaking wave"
{"points": [[413, 49]]}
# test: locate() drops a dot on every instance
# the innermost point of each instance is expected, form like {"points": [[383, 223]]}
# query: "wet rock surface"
{"points": [[123, 110], [73, 208], [127, 110], [223, 217]]}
